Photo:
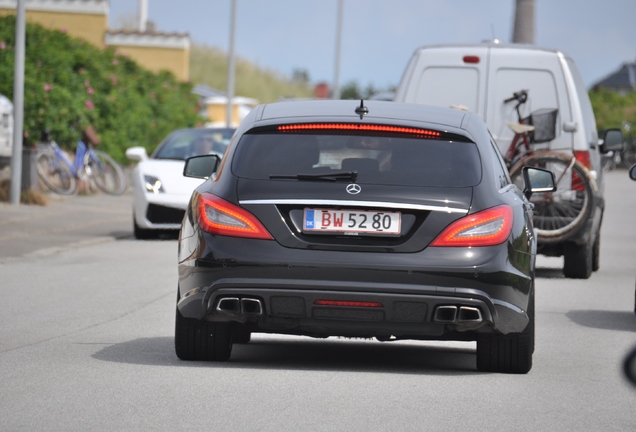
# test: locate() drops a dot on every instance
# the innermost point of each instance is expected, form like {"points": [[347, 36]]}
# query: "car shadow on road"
{"points": [[549, 273], [604, 319], [160, 235], [324, 355]]}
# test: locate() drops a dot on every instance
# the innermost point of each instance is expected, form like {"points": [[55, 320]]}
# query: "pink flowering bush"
{"points": [[70, 85]]}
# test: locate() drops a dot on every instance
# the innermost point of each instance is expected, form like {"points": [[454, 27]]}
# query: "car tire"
{"points": [[202, 340], [141, 233], [577, 261], [241, 334], [511, 353], [596, 252]]}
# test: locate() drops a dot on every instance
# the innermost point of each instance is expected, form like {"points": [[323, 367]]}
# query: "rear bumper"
{"points": [[432, 314], [410, 289]]}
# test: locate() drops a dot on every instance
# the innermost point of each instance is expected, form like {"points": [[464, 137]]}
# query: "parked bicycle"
{"points": [[61, 175], [620, 159], [557, 214]]}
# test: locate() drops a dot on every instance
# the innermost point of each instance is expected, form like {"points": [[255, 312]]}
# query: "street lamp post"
{"points": [[230, 67], [18, 103], [336, 71]]}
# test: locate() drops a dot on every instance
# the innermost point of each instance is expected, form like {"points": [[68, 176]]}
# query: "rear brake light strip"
{"points": [[359, 127]]}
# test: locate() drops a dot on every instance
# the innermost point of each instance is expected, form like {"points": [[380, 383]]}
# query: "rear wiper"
{"points": [[331, 177]]}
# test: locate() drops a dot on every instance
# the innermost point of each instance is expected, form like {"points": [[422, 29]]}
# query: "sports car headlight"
{"points": [[153, 184]]}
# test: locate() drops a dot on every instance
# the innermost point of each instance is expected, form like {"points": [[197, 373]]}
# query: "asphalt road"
{"points": [[65, 221], [86, 343]]}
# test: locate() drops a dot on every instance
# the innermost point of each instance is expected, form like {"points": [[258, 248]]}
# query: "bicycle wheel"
{"points": [[629, 158], [559, 214], [105, 172], [54, 173]]}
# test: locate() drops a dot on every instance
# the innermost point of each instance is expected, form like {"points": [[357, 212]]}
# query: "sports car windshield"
{"points": [[390, 160], [185, 143]]}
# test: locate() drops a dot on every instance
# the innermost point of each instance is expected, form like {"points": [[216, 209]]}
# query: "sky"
{"points": [[379, 36]]}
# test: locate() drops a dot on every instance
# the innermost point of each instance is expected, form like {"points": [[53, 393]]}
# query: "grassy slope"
{"points": [[208, 65]]}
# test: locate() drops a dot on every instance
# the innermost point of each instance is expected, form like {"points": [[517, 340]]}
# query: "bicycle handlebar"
{"points": [[520, 96]]}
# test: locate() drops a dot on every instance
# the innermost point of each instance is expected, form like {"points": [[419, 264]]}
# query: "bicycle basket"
{"points": [[544, 122]]}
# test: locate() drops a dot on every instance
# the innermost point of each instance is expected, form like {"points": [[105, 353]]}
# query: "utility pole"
{"points": [[230, 67], [524, 28], [336, 70], [18, 103]]}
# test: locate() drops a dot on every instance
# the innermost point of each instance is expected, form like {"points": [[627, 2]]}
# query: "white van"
{"points": [[481, 77], [6, 127]]}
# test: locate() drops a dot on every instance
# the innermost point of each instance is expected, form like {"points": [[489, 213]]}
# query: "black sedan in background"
{"points": [[359, 219]]}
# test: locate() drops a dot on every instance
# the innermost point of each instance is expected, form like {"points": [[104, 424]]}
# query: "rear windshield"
{"points": [[390, 160]]}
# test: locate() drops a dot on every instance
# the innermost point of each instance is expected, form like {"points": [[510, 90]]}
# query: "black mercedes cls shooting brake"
{"points": [[363, 219]]}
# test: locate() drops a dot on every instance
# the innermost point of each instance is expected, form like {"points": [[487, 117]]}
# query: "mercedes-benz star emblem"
{"points": [[353, 189]]}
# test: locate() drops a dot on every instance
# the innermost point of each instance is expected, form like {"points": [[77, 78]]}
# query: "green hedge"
{"points": [[70, 84], [613, 110]]}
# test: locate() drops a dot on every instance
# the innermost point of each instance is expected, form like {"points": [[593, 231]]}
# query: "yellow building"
{"points": [[154, 51], [217, 110], [88, 20]]}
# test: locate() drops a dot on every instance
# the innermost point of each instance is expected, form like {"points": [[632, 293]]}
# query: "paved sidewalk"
{"points": [[67, 221]]}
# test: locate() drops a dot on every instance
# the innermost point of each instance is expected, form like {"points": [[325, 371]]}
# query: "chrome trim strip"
{"points": [[389, 205]]}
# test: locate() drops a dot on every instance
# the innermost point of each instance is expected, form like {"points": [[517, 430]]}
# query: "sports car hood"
{"points": [[170, 173]]}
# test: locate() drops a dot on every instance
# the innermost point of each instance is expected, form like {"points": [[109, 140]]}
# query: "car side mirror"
{"points": [[612, 140], [136, 154], [201, 166], [632, 172], [537, 180]]}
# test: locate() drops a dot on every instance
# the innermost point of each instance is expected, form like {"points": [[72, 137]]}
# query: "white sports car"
{"points": [[160, 191]]}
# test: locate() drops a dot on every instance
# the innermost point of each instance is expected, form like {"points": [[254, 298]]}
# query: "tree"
{"points": [[300, 76], [350, 90]]}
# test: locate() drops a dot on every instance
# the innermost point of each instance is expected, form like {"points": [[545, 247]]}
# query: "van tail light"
{"points": [[471, 59], [583, 156], [221, 217], [489, 227]]}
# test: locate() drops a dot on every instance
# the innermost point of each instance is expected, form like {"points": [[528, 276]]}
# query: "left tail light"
{"points": [[488, 227], [221, 217], [582, 156]]}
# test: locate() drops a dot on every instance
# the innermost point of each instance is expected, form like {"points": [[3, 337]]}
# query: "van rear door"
{"points": [[535, 70], [447, 76]]}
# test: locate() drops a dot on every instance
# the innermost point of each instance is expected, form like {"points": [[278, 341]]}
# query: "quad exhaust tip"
{"points": [[450, 314], [445, 314], [469, 314], [250, 306], [246, 306]]}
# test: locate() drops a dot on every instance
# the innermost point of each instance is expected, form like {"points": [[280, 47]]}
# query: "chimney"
{"points": [[142, 15]]}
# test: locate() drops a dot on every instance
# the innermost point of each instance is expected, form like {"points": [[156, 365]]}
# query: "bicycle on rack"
{"points": [[61, 175], [556, 215]]}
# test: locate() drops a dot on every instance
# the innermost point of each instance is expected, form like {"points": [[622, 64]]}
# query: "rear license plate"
{"points": [[352, 222]]}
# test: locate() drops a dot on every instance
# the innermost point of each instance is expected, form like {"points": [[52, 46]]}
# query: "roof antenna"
{"points": [[362, 110], [494, 38]]}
